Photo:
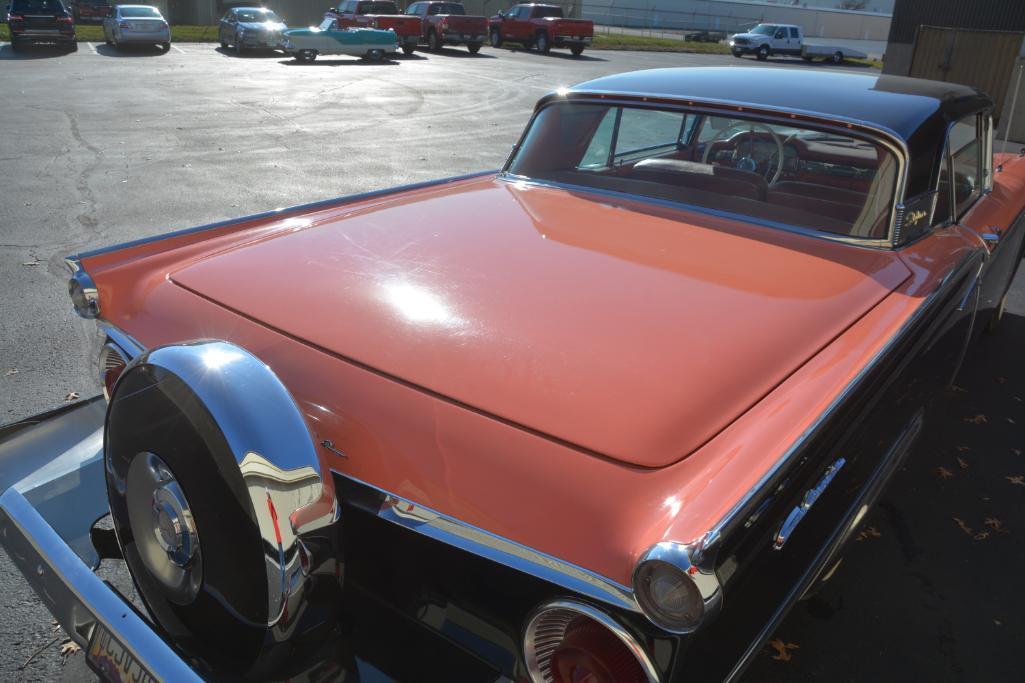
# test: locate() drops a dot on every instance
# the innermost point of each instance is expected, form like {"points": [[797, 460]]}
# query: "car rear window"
{"points": [[447, 8], [36, 6], [540, 12], [771, 172], [139, 12], [254, 17]]}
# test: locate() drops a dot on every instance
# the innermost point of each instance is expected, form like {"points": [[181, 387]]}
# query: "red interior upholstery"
{"points": [[722, 179]]}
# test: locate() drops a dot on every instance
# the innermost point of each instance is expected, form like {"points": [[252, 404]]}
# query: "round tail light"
{"points": [[112, 363], [674, 593], [570, 642]]}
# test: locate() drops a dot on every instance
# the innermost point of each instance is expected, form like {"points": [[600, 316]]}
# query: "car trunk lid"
{"points": [[625, 329]]}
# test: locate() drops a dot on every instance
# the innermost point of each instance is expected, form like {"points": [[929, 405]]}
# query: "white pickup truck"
{"points": [[765, 40]]}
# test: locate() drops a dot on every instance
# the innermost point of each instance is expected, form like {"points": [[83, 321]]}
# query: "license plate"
{"points": [[109, 658]]}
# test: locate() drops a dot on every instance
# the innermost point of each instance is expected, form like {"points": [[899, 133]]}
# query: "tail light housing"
{"points": [[444, 24], [374, 24], [675, 589], [570, 642], [113, 361], [15, 17]]}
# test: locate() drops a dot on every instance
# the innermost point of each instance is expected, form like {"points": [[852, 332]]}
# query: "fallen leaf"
{"points": [[958, 390], [996, 525], [783, 649], [1001, 380], [12, 371], [1016, 451], [998, 622], [977, 419], [1010, 420], [1018, 480], [963, 449], [72, 396], [964, 527], [69, 647], [981, 536], [32, 263], [944, 473], [962, 464], [868, 532]]}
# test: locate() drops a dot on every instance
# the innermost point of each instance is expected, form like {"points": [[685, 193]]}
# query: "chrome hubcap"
{"points": [[163, 527]]}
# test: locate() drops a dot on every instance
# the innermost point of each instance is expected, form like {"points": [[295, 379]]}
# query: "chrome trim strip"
{"points": [[75, 596], [128, 344], [84, 282], [810, 496], [472, 539], [530, 654], [755, 491], [312, 206]]}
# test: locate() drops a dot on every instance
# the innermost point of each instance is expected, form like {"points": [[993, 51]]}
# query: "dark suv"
{"points": [[40, 21]]}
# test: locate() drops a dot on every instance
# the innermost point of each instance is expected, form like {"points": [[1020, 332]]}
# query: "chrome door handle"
{"points": [[810, 496]]}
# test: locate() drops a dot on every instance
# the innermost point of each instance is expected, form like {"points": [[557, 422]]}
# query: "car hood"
{"points": [[750, 36], [628, 330]]}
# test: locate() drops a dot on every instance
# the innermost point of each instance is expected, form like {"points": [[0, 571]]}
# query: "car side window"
{"points": [[433, 10], [782, 33], [793, 32], [965, 149], [513, 13]]}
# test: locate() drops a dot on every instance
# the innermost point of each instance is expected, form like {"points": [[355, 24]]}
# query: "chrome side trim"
{"points": [[125, 341], [532, 633], [734, 514], [810, 496], [472, 539], [277, 213], [75, 596]]}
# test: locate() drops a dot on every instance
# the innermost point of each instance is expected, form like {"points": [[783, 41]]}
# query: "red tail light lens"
{"points": [[15, 17], [570, 642], [63, 20], [444, 23], [590, 653]]}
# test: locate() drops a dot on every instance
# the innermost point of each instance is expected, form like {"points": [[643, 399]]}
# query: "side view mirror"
{"points": [[501, 13]]}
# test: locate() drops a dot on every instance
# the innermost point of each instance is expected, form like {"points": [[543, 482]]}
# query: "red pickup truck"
{"points": [[382, 14], [446, 23], [540, 26]]}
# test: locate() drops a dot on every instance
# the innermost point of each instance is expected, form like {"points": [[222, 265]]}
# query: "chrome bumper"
{"points": [[52, 470]]}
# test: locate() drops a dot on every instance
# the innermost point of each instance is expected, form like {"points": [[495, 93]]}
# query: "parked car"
{"points": [[613, 434], [136, 25], [89, 10], [250, 28], [446, 23], [540, 26], [705, 36], [381, 15], [306, 44], [765, 40], [40, 21]]}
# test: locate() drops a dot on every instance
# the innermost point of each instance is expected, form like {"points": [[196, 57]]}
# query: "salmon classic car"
{"points": [[611, 433]]}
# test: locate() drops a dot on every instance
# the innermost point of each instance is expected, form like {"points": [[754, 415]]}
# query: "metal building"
{"points": [[976, 43]]}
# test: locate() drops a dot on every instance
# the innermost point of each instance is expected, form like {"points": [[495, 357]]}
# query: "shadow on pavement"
{"points": [[931, 589], [42, 51], [144, 50]]}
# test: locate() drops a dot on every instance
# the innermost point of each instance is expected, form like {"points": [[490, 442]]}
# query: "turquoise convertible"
{"points": [[305, 44]]}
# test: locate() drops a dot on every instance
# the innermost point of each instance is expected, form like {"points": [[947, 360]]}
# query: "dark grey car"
{"points": [[250, 28]]}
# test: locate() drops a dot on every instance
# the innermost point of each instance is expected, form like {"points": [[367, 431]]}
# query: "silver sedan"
{"points": [[136, 24]]}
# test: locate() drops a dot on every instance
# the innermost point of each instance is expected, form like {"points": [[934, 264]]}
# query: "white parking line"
{"points": [[179, 49], [92, 46]]}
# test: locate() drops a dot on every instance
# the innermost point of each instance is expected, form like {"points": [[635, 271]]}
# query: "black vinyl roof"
{"points": [[901, 105]]}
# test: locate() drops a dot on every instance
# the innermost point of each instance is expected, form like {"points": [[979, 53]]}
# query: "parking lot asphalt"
{"points": [[100, 147]]}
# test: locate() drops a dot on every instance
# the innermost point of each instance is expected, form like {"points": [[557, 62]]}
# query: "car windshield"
{"points": [[327, 25], [140, 12], [774, 173], [447, 8], [377, 8], [257, 17], [764, 29], [33, 6], [540, 12]]}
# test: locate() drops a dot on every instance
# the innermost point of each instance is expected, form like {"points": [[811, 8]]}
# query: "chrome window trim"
{"points": [[956, 214], [483, 543], [734, 515], [874, 132], [530, 656]]}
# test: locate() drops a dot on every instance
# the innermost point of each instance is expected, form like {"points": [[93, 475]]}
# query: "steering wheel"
{"points": [[748, 161]]}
